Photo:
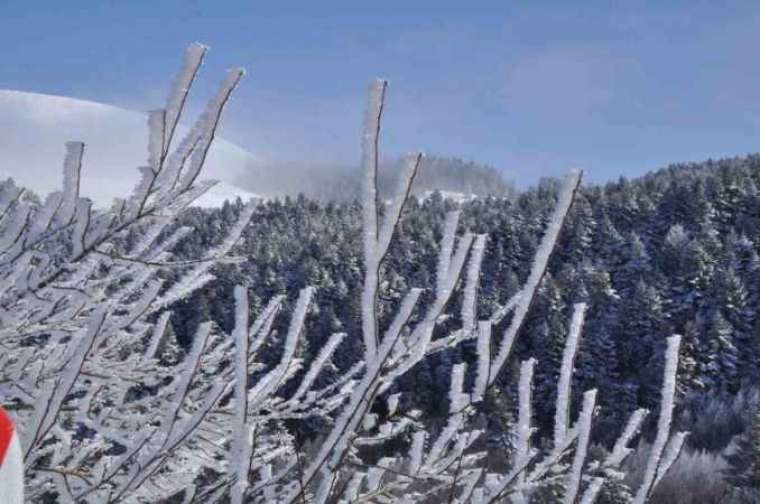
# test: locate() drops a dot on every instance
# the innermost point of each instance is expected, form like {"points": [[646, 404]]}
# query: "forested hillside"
{"points": [[673, 252]]}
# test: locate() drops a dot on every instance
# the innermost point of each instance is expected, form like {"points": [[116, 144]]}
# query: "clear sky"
{"points": [[532, 88]]}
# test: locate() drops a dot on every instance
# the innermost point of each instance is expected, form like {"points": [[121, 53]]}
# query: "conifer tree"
{"points": [[641, 325], [720, 353]]}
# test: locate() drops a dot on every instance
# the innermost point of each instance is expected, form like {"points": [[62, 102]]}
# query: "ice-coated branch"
{"points": [[242, 437], [180, 90], [370, 161], [198, 274], [573, 482], [670, 454], [524, 430], [409, 170], [472, 279], [274, 378], [185, 380], [484, 360], [538, 269], [262, 326], [448, 272], [63, 386], [592, 491], [562, 415], [317, 365], [620, 451], [206, 128], [654, 461], [72, 168]]}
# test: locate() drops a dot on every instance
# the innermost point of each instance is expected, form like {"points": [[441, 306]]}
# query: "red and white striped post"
{"points": [[11, 463]]}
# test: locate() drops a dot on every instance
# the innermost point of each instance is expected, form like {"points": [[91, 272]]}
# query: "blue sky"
{"points": [[616, 88]]}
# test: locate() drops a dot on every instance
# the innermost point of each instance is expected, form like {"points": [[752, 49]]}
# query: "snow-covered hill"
{"points": [[34, 128]]}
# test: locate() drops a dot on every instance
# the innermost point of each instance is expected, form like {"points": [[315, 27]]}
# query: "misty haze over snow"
{"points": [[35, 127], [454, 177]]}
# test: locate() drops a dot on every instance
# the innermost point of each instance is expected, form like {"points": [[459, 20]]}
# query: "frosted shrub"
{"points": [[697, 476], [114, 410], [88, 365]]}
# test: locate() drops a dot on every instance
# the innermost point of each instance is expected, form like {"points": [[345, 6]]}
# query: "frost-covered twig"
{"points": [[656, 465]]}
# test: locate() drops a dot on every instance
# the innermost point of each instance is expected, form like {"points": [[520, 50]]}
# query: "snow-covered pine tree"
{"points": [[720, 354]]}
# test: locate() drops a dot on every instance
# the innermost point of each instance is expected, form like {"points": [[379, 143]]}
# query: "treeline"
{"points": [[673, 252]]}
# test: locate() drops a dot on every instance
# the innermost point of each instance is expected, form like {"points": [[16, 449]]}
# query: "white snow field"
{"points": [[34, 128]]}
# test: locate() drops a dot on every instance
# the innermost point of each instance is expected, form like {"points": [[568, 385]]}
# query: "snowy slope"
{"points": [[34, 128]]}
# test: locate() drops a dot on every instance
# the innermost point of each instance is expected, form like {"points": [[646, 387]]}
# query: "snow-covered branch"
{"points": [[106, 399]]}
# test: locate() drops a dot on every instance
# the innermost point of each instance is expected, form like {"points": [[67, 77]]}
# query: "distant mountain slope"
{"points": [[34, 128]]}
